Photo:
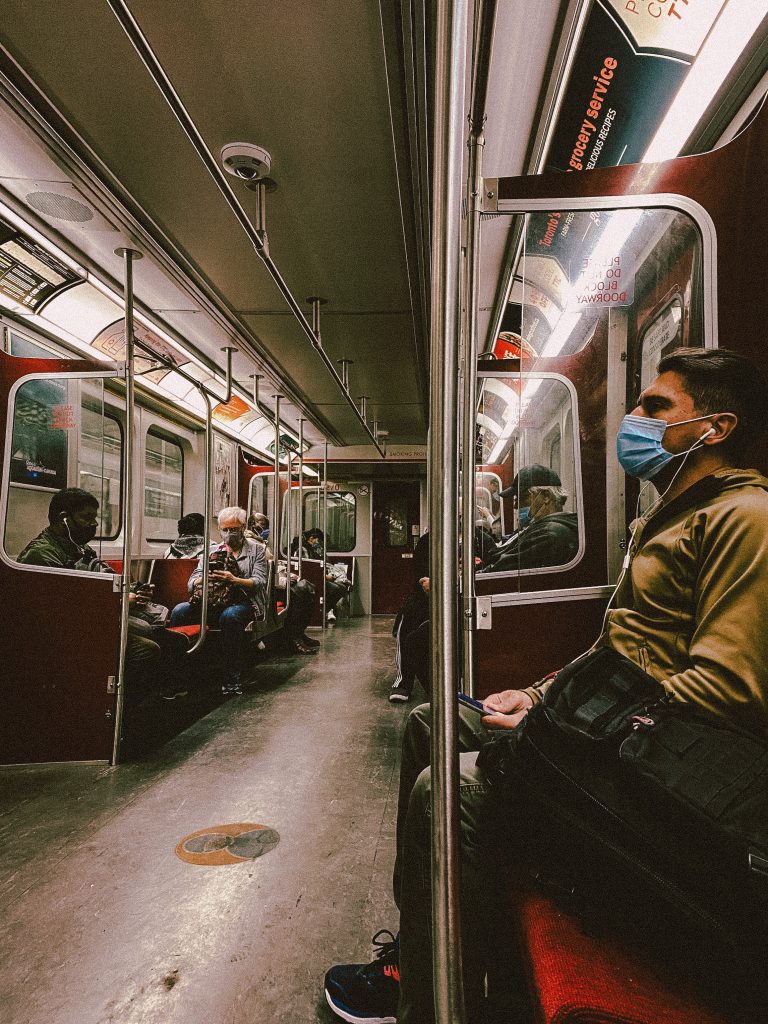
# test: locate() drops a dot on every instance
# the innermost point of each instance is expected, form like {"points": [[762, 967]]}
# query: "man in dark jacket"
{"points": [[548, 536], [411, 630]]}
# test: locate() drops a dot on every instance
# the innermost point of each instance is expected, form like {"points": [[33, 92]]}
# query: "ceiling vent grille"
{"points": [[59, 207]]}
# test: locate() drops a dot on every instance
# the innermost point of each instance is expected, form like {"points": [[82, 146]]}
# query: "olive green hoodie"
{"points": [[689, 610]]}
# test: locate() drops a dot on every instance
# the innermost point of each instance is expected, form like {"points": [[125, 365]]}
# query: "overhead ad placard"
{"points": [[632, 59], [28, 274]]}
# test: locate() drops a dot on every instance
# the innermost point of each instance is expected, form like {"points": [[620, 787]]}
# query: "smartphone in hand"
{"points": [[476, 705]]}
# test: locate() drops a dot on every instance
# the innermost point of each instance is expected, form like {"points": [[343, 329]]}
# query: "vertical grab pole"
{"points": [[450, 64], [207, 514], [325, 528], [128, 255], [468, 411], [301, 498], [275, 534]]}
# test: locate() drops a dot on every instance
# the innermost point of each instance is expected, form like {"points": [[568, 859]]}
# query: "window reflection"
{"points": [[527, 454]]}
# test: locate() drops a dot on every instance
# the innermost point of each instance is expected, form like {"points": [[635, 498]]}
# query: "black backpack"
{"points": [[645, 815]]}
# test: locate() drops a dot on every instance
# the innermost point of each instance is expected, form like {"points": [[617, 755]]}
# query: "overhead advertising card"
{"points": [[632, 59], [111, 341], [28, 273]]}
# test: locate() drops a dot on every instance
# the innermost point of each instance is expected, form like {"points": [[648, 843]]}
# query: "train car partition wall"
{"points": [[60, 636]]}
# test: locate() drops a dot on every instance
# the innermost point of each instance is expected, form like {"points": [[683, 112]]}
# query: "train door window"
{"points": [[163, 486], [396, 533], [341, 523], [99, 463]]}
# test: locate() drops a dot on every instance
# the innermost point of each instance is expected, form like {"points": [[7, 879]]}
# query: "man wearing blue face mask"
{"points": [[243, 584], [688, 610]]}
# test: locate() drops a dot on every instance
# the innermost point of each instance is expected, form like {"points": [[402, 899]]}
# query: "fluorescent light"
{"points": [[737, 23]]}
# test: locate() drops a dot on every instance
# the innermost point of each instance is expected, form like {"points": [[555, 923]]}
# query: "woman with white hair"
{"points": [[238, 580]]}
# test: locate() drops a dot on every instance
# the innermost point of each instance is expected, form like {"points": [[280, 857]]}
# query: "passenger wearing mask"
{"points": [[688, 610], [337, 585], [547, 535], [258, 528], [191, 540], [64, 544], [240, 588]]}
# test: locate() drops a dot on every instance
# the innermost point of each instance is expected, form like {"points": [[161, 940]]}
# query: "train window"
{"points": [[598, 296], [19, 345], [525, 433], [61, 436], [341, 522], [99, 464], [163, 486], [396, 522]]}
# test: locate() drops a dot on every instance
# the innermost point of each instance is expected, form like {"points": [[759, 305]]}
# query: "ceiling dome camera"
{"points": [[246, 161]]}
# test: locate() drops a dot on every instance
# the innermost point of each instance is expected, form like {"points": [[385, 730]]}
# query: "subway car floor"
{"points": [[102, 921]]}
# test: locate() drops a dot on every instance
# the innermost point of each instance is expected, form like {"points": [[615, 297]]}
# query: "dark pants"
{"points": [[480, 850], [412, 633], [299, 610], [231, 620], [333, 594]]}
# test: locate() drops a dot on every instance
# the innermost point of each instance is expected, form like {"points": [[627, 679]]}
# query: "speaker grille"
{"points": [[59, 207]]}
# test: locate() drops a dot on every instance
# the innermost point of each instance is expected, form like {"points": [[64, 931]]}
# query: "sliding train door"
{"points": [[59, 631], [614, 269]]}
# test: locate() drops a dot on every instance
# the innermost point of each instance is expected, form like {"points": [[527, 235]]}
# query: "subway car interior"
{"points": [[296, 284]]}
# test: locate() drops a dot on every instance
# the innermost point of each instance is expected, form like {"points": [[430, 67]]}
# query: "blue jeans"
{"points": [[231, 621]]}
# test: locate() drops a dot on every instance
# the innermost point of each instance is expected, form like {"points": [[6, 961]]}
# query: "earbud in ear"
{"points": [[708, 433]]}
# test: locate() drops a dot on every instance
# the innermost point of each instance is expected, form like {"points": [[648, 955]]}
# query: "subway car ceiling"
{"points": [[94, 158]]}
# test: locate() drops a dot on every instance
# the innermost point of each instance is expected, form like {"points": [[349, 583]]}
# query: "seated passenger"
{"points": [[547, 535], [337, 585], [244, 582], [63, 544], [190, 542], [688, 610], [258, 528]]}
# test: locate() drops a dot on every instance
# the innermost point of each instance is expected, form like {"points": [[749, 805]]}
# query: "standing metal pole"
{"points": [[207, 515], [469, 417], [325, 529], [275, 528], [128, 255], [450, 64], [301, 498]]}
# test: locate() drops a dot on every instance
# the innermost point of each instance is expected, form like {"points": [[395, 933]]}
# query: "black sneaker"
{"points": [[399, 694], [309, 641], [367, 993]]}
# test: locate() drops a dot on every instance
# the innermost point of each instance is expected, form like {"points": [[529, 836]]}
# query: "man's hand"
{"points": [[424, 584], [512, 707]]}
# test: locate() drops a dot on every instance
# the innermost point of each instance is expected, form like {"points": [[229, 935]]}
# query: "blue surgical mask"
{"points": [[639, 445], [524, 516]]}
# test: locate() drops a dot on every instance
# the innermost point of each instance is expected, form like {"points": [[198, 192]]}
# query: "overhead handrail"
{"points": [[450, 60], [141, 44]]}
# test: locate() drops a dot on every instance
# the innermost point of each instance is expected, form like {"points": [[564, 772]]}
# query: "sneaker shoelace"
{"points": [[386, 949]]}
